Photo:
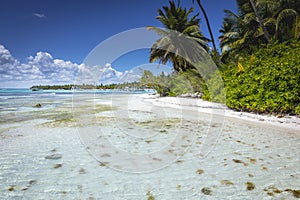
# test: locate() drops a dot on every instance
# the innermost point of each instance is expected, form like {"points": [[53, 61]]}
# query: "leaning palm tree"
{"points": [[208, 25], [179, 35]]}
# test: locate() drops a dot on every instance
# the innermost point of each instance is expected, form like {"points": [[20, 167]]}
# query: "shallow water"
{"points": [[120, 147]]}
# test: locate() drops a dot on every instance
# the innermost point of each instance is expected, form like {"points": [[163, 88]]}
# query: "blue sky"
{"points": [[69, 29]]}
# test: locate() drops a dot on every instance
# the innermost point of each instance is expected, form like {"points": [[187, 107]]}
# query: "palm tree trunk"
{"points": [[266, 34], [208, 26]]}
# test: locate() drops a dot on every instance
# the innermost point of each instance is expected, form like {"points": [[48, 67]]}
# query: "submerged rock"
{"points": [[11, 188], [57, 166], [31, 182], [38, 105]]}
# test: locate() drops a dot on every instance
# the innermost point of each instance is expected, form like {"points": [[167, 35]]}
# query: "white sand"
{"points": [[187, 153], [287, 122]]}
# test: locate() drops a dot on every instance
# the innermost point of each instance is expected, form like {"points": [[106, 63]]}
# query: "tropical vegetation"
{"points": [[180, 28], [259, 63], [257, 23]]}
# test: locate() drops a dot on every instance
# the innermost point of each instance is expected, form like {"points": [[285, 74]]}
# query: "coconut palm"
{"points": [[262, 26], [244, 31], [281, 17], [208, 25], [239, 34], [181, 39]]}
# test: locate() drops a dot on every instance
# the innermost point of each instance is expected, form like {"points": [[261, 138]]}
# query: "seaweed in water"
{"points": [[226, 182], [206, 191], [200, 171], [250, 186], [150, 196]]}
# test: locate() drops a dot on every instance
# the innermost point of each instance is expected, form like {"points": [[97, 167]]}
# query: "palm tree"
{"points": [[208, 25], [282, 17], [243, 32], [239, 34], [178, 37], [266, 34]]}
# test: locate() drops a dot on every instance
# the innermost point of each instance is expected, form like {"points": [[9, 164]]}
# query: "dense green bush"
{"points": [[174, 84], [267, 82]]}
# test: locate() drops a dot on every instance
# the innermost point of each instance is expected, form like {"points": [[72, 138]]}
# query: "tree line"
{"points": [[126, 85]]}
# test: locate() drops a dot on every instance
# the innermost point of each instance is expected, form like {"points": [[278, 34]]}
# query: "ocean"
{"points": [[17, 104]]}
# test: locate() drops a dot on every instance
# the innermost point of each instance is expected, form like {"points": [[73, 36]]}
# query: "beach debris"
{"points": [[206, 191], [226, 182], [200, 171], [38, 105], [250, 186], [54, 156], [57, 166], [191, 95]]}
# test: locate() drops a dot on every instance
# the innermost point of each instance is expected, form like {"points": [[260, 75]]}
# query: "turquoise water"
{"points": [[16, 97], [17, 105]]}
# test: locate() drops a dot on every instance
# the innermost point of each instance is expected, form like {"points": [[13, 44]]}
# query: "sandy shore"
{"points": [[132, 147], [284, 122]]}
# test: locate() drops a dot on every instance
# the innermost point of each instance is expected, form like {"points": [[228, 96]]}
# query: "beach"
{"points": [[115, 145]]}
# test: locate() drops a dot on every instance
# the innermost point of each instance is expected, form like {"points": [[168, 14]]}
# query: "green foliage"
{"points": [[216, 92], [244, 33], [270, 81], [181, 39], [175, 84]]}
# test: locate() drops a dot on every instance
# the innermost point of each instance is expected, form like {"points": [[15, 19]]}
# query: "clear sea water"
{"points": [[15, 98], [245, 153]]}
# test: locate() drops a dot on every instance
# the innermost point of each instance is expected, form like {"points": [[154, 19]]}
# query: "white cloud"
{"points": [[44, 69], [39, 15], [6, 58]]}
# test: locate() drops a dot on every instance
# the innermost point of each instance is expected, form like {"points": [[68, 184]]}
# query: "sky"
{"points": [[48, 41]]}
